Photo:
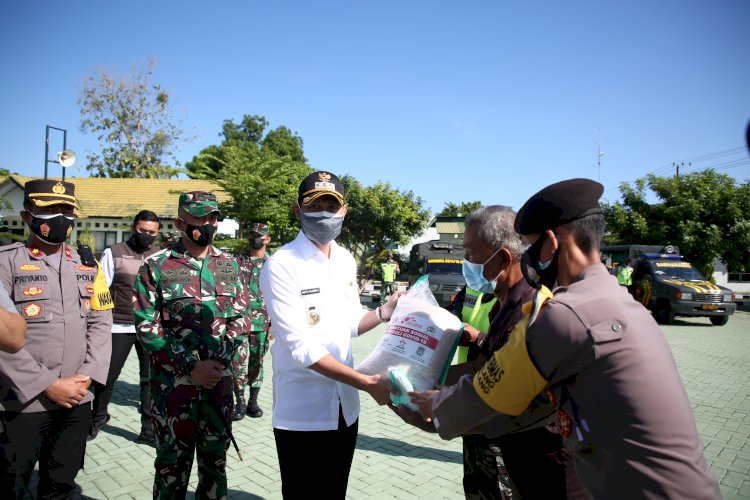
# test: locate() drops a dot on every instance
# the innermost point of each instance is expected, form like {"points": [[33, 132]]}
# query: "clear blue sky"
{"points": [[456, 101]]}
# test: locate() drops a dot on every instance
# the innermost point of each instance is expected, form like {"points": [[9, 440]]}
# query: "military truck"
{"points": [[443, 262], [669, 286]]}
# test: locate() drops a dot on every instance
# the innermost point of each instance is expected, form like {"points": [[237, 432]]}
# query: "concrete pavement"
{"points": [[394, 460]]}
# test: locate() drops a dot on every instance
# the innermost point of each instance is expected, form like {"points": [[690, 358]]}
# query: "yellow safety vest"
{"points": [[389, 272], [477, 314]]}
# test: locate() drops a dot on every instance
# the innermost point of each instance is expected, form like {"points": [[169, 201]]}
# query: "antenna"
{"points": [[599, 154]]}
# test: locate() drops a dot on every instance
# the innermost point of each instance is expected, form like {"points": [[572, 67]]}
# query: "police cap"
{"points": [[558, 204], [46, 192]]}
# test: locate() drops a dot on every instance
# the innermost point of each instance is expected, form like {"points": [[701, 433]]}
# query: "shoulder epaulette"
{"points": [[12, 246]]}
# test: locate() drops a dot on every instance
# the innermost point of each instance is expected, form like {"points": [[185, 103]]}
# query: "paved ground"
{"points": [[394, 460]]}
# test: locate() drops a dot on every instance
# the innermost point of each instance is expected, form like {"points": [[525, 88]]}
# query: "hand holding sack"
{"points": [[417, 346]]}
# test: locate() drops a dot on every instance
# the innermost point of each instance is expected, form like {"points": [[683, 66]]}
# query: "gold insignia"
{"points": [[90, 289], [44, 229], [32, 310], [324, 176], [67, 252], [70, 230], [33, 291], [83, 267], [87, 305], [58, 188], [29, 267], [313, 318]]}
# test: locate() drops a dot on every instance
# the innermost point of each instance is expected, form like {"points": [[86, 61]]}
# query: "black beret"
{"points": [[557, 204]]}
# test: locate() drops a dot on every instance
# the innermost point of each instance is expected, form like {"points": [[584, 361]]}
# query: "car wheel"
{"points": [[719, 320], [664, 313]]}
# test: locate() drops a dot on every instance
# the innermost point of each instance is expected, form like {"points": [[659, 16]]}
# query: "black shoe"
{"points": [[253, 410], [240, 407], [148, 437]]}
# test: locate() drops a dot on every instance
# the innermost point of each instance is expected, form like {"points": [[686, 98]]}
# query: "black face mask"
{"points": [[534, 271], [200, 235], [52, 229], [142, 241], [256, 243]]}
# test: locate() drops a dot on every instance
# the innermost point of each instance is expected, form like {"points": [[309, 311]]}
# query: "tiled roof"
{"points": [[105, 197]]}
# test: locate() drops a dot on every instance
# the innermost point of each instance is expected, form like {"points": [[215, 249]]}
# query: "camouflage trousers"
{"points": [[247, 364], [187, 423], [485, 476], [387, 288]]}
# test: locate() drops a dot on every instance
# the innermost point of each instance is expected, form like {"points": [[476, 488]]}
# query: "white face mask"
{"points": [[321, 227]]}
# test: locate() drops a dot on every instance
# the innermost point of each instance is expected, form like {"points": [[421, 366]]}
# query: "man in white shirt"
{"points": [[311, 294]]}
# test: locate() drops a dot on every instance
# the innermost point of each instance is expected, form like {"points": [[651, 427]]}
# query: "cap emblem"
{"points": [[58, 188], [44, 229]]}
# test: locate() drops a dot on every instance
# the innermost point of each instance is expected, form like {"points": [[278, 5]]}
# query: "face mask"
{"points": [[256, 243], [474, 276], [539, 273], [142, 241], [321, 227], [52, 229], [200, 235]]}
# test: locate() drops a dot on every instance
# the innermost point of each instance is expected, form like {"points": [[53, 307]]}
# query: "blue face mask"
{"points": [[474, 276]]}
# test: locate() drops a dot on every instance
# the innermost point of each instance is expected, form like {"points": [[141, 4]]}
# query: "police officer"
{"points": [[46, 413], [597, 355], [120, 264], [247, 364], [389, 269], [189, 304]]}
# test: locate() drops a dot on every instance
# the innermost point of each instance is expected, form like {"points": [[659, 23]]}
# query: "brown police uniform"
{"points": [[56, 295], [609, 373]]}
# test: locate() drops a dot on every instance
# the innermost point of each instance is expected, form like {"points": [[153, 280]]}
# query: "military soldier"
{"points": [[389, 270], [46, 412], [189, 306], [248, 361]]}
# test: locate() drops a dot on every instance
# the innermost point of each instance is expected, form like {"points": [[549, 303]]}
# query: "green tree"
{"points": [[705, 213], [133, 121], [459, 210], [378, 217], [262, 189], [249, 135]]}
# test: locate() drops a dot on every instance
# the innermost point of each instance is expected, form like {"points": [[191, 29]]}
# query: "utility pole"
{"points": [[677, 167]]}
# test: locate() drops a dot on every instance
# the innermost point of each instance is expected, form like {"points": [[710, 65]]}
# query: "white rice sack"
{"points": [[420, 340]]}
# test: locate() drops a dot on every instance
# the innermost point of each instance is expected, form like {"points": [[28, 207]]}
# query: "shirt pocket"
{"points": [[32, 302], [179, 306], [226, 298]]}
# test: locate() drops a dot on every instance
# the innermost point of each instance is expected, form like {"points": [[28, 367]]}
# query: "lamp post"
{"points": [[65, 158]]}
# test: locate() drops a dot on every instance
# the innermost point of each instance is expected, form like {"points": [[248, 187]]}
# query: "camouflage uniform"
{"points": [[188, 310], [255, 343]]}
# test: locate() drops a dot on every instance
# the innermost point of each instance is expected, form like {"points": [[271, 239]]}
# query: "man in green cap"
{"points": [[189, 306], [248, 361]]}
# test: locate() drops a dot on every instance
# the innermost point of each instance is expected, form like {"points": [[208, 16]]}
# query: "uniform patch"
{"points": [[313, 318], [28, 267], [67, 250], [32, 310], [310, 291], [90, 289], [33, 291], [35, 251], [84, 267], [44, 229], [87, 305], [29, 278]]}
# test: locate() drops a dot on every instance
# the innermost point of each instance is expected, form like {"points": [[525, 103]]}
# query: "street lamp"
{"points": [[65, 158]]}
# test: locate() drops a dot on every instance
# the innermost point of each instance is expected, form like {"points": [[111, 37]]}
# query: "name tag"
{"points": [[310, 291]]}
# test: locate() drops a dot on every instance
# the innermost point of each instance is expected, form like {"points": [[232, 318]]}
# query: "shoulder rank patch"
{"points": [[67, 250], [28, 267], [32, 310], [35, 251], [33, 291]]}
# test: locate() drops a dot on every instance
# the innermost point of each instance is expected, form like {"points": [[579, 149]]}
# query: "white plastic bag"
{"points": [[420, 340]]}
